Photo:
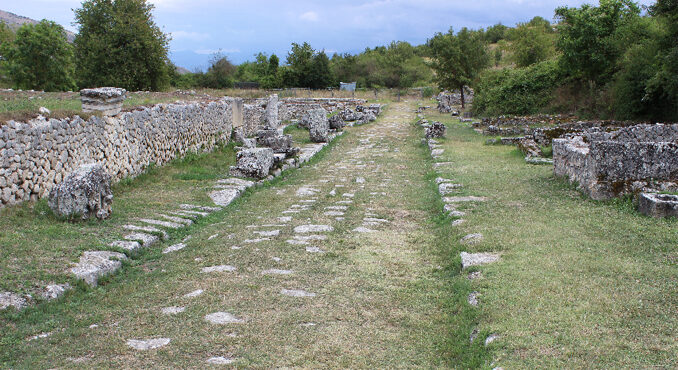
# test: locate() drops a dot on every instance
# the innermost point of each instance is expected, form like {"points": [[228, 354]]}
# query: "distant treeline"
{"points": [[612, 60]]}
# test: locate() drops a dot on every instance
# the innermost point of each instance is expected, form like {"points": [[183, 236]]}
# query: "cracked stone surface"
{"points": [[174, 248], [477, 259], [297, 293], [173, 310], [8, 299], [313, 229], [472, 239], [223, 318], [146, 344], [95, 264], [220, 268]]}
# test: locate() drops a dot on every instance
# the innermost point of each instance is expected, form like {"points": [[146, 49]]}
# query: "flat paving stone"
{"points": [[471, 239], [337, 208], [146, 344], [362, 229], [473, 299], [254, 241], [9, 299], [333, 213], [306, 191], [267, 233], [220, 360], [277, 272], [126, 245], [297, 293], [296, 242], [179, 220], [469, 198], [314, 250], [223, 318], [165, 224], [285, 219], [194, 293], [147, 229], [189, 212], [174, 248], [146, 239], [172, 310], [220, 268], [313, 229], [224, 197], [95, 264], [200, 208], [477, 259]]}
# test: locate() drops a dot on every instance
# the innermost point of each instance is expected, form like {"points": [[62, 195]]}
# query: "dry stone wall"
{"points": [[630, 160], [36, 155], [294, 108]]}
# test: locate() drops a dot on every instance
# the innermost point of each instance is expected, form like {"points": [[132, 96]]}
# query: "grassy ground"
{"points": [[581, 283], [389, 299], [36, 248]]}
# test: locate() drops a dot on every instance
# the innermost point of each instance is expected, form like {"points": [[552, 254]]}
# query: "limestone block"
{"points": [[83, 194]]}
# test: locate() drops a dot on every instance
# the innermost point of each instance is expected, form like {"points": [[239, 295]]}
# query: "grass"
{"points": [[299, 134], [582, 283], [36, 248], [385, 300]]}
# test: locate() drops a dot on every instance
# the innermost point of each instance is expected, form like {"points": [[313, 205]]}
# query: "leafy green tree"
{"points": [[119, 44], [458, 59], [220, 73], [40, 58], [587, 38], [662, 87], [495, 33], [6, 40], [307, 68], [321, 74], [532, 43]]}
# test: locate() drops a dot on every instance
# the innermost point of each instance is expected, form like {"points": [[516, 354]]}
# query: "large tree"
{"points": [[40, 58], [119, 44], [663, 86], [587, 38], [458, 58]]}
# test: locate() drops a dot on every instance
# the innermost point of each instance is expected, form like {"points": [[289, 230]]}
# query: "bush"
{"points": [[427, 92], [519, 91]]}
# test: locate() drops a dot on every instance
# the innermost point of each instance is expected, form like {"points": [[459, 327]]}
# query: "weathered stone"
{"points": [[530, 148], [8, 299], [471, 239], [172, 310], [83, 194], [277, 272], [336, 122], [146, 239], [254, 163], [477, 259], [146, 344], [297, 293], [220, 268], [658, 205], [275, 140], [107, 100], [224, 197], [223, 318], [220, 360], [165, 224], [313, 229], [271, 120], [126, 244], [148, 229], [55, 291], [318, 125], [174, 248], [93, 265], [436, 129]]}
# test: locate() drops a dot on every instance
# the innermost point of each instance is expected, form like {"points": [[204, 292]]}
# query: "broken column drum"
{"points": [[107, 100], [83, 194]]}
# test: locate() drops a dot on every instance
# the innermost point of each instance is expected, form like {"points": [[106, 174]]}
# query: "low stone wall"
{"points": [[630, 160], [35, 156], [294, 108]]}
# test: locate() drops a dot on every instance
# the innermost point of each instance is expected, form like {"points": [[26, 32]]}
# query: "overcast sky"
{"points": [[240, 29]]}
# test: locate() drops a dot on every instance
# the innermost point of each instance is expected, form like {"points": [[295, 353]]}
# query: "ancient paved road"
{"points": [[325, 268]]}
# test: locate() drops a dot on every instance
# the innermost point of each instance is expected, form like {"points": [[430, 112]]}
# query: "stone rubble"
{"points": [[83, 194]]}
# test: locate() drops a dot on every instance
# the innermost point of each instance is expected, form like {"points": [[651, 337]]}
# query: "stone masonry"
{"points": [[629, 160]]}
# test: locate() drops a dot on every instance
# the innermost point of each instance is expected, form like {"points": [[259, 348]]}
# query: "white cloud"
{"points": [[310, 16]]}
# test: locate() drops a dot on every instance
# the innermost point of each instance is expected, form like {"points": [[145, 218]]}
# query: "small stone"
{"points": [[223, 318], [313, 229], [477, 259], [143, 345], [220, 361], [126, 245], [362, 229], [491, 338], [296, 293], [473, 299], [268, 233], [220, 268], [457, 222], [53, 292], [276, 272], [8, 299], [471, 239], [146, 239], [314, 250], [306, 191], [194, 293], [475, 275], [174, 248], [173, 310], [360, 180], [95, 264], [254, 241]]}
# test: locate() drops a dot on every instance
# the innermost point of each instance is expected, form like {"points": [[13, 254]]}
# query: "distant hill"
{"points": [[182, 70], [15, 21]]}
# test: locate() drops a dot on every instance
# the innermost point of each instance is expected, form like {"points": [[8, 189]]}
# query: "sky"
{"points": [[241, 29]]}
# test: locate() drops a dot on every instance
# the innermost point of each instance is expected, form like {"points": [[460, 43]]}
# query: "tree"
{"points": [[663, 85], [532, 43], [307, 68], [118, 44], [457, 59], [220, 72], [587, 38], [495, 33], [40, 58]]}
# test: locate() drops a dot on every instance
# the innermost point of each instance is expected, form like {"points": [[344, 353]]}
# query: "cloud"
{"points": [[189, 35], [310, 16]]}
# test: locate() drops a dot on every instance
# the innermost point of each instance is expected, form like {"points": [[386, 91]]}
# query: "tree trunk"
{"points": [[462, 97]]}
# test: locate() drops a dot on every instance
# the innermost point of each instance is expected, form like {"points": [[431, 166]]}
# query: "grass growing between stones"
{"points": [[36, 248], [385, 299], [581, 284]]}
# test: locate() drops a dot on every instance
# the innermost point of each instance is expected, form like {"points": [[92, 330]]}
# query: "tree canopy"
{"points": [[119, 44], [458, 58], [39, 57]]}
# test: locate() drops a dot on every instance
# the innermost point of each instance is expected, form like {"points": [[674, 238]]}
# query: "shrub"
{"points": [[519, 91]]}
